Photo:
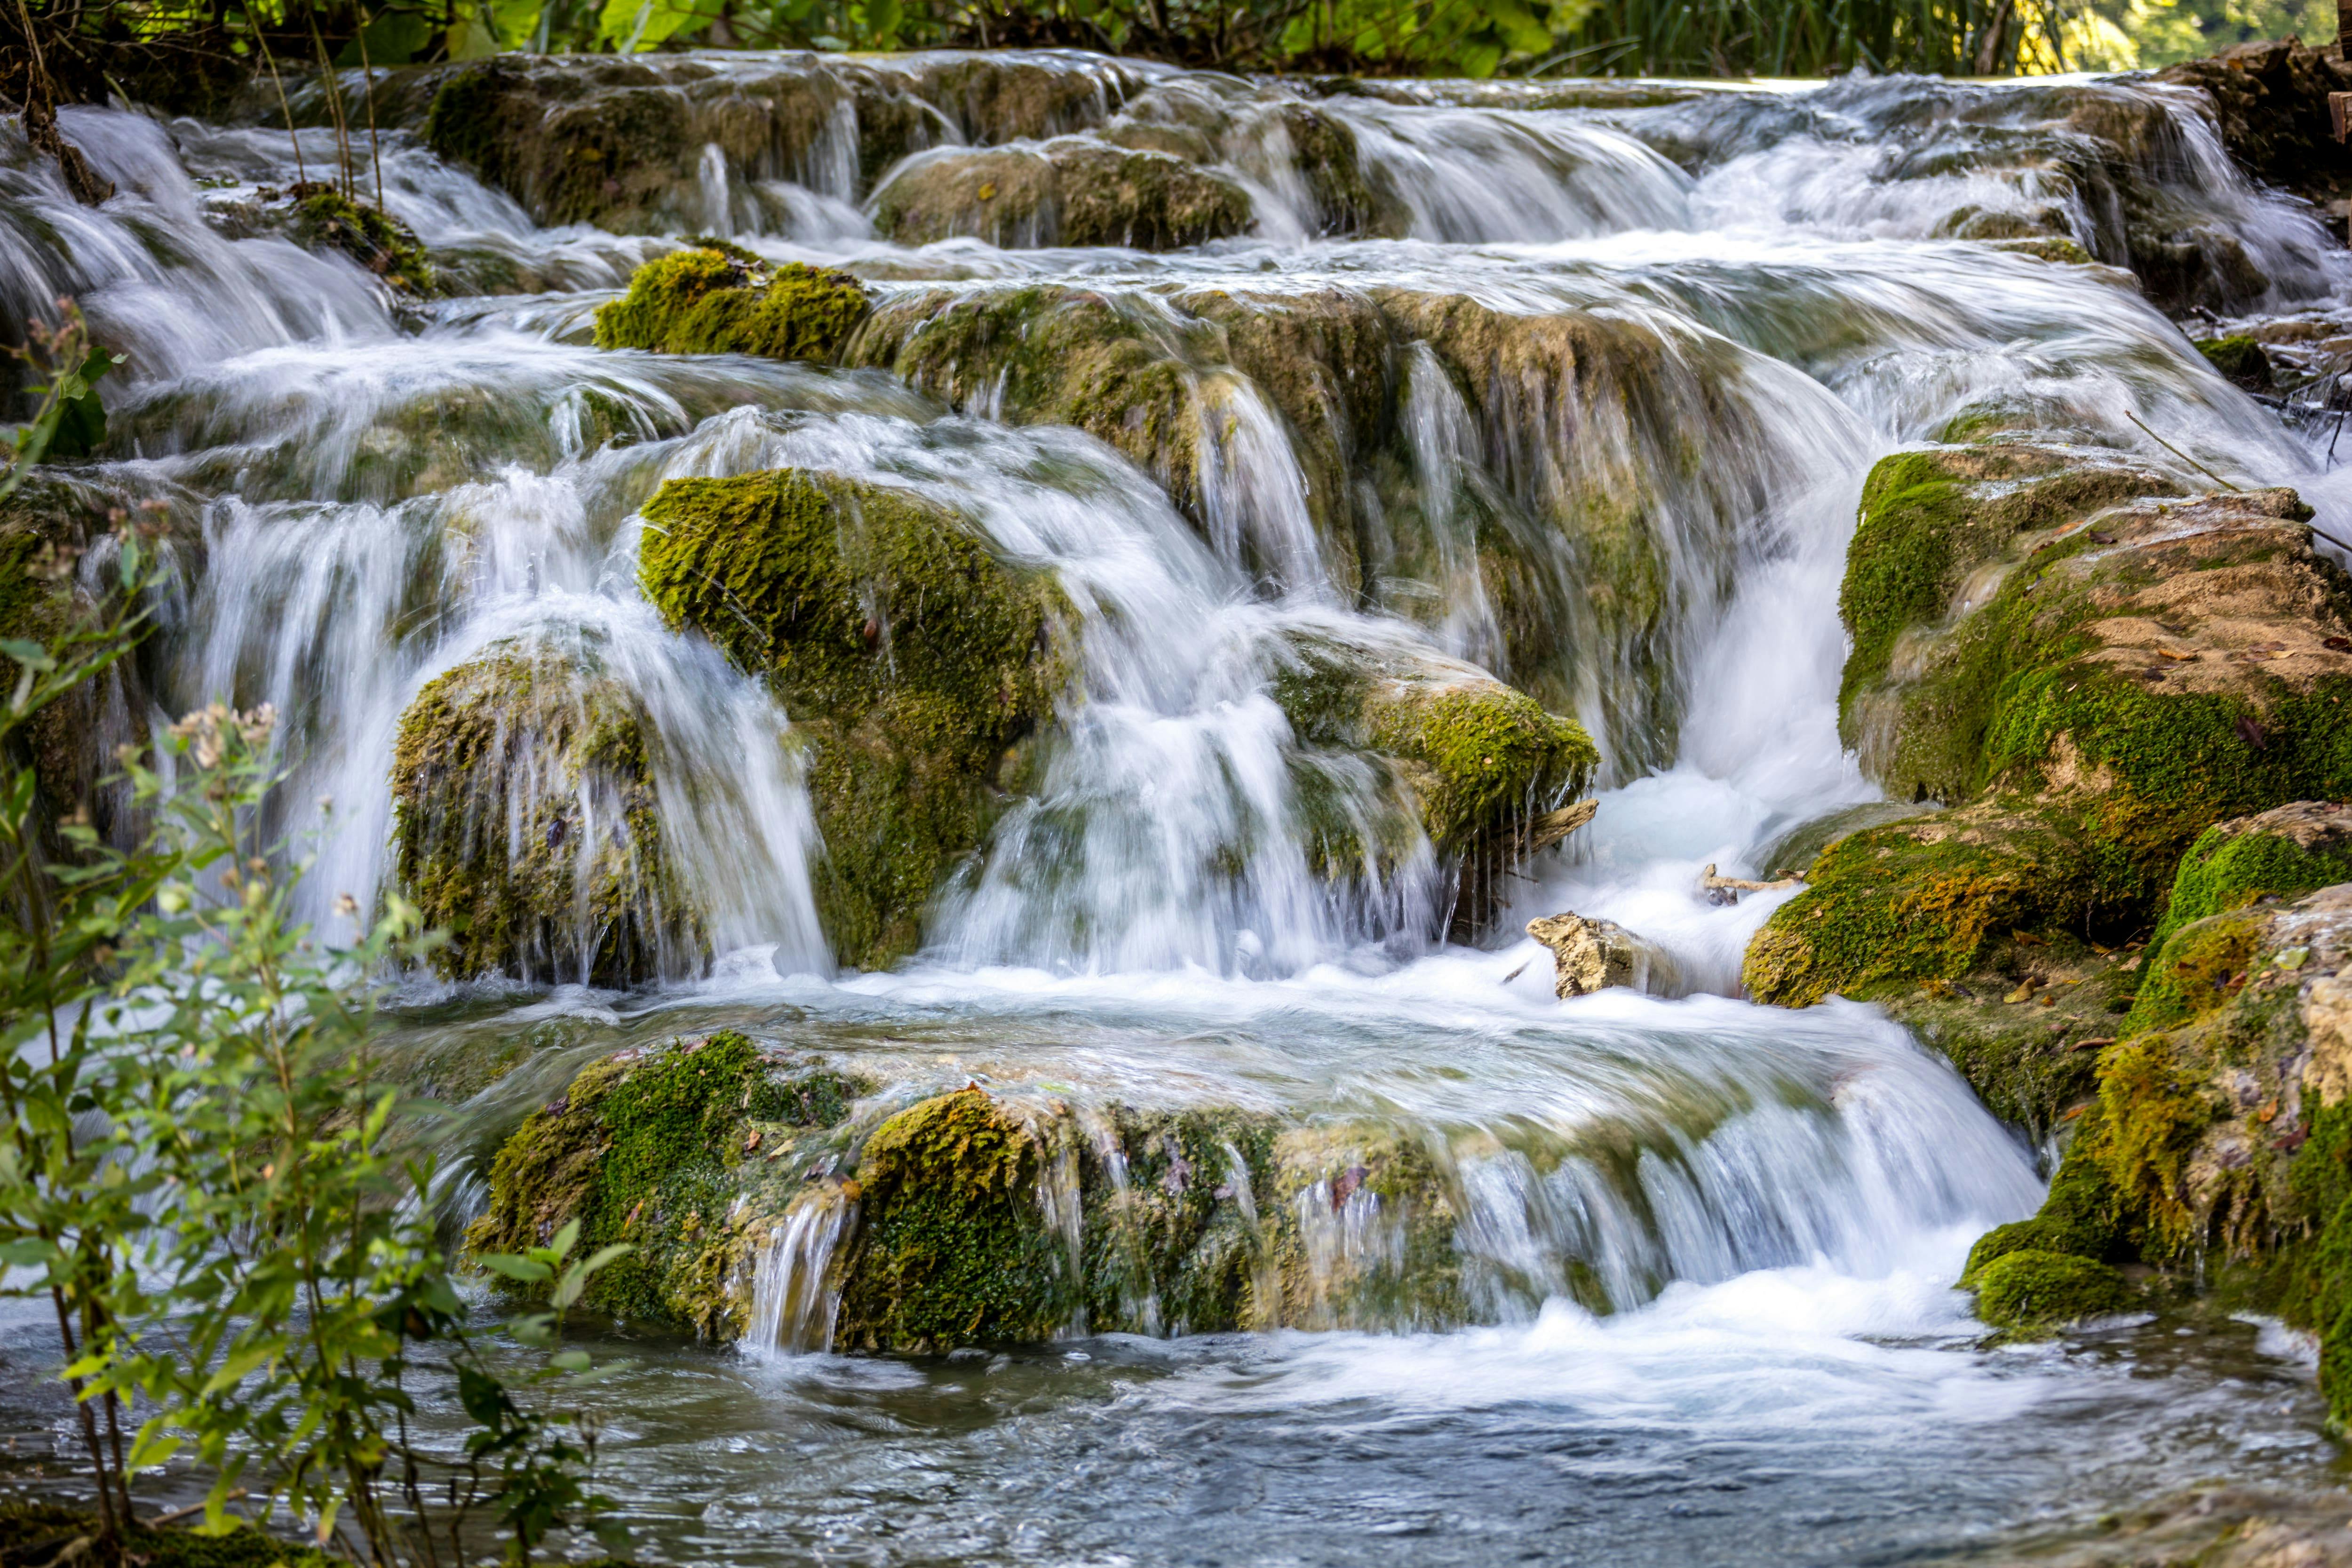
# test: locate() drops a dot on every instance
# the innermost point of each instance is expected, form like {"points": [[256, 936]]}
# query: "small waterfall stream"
{"points": [[1640, 356]]}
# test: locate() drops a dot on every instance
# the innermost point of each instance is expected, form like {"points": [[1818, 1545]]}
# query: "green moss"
{"points": [[2202, 966], [33, 1531], [2234, 864], [641, 1149], [502, 767], [708, 300], [325, 219], [1492, 755], [953, 1245], [2240, 358], [2151, 1113], [1172, 1246], [2030, 1291], [1927, 521], [2078, 1217], [910, 657], [1889, 907]]}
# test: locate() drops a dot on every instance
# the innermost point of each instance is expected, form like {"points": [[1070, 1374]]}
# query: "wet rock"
{"points": [[727, 300], [2029, 1292], [1069, 191], [913, 660], [1590, 955], [970, 1217], [323, 218], [2218, 1148], [527, 825], [653, 1148], [619, 142], [2240, 358], [2270, 102], [1481, 760]]}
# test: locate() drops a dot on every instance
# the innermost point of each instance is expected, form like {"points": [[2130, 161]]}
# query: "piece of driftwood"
{"points": [[1554, 825], [1709, 882]]}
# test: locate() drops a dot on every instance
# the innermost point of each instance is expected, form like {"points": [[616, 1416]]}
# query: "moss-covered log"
{"points": [[912, 659], [527, 825]]}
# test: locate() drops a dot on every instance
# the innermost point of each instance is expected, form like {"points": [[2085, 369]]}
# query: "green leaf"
{"points": [[529, 1270]]}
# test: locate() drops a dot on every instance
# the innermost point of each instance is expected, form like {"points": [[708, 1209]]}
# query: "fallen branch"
{"points": [[1554, 825], [1709, 882]]}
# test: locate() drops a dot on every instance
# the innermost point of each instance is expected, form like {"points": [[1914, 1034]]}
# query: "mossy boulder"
{"points": [[2240, 357], [654, 1148], [1480, 760], [711, 300], [527, 825], [2283, 852], [323, 218], [1072, 190], [913, 660], [953, 1247], [2218, 1147], [2026, 1292], [2098, 675]]}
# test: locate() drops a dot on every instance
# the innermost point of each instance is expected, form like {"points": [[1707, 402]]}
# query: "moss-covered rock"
{"points": [[1069, 191], [527, 825], [2279, 853], [1480, 758], [953, 1246], [653, 1148], [2240, 358], [2219, 1145], [1926, 898], [2028, 1291], [2100, 675], [31, 1532], [323, 218], [911, 659], [706, 300]]}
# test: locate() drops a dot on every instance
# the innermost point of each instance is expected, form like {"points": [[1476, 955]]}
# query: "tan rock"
{"points": [[1590, 955]]}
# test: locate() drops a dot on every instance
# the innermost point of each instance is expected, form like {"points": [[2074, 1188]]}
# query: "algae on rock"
{"points": [[711, 300], [654, 1148], [528, 826], [1074, 191], [910, 657]]}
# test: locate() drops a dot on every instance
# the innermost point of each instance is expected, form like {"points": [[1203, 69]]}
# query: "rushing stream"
{"points": [[1781, 1371]]}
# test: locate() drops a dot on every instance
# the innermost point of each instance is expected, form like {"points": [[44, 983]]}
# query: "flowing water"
{"points": [[372, 494]]}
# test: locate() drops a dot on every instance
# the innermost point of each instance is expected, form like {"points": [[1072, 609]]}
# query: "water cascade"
{"points": [[1248, 512]]}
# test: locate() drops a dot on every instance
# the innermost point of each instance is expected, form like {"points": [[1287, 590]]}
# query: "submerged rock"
{"points": [[1069, 190], [711, 300], [1590, 955], [912, 660], [527, 825]]}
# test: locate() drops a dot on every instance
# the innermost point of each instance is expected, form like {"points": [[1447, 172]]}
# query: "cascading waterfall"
{"points": [[1634, 358]]}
